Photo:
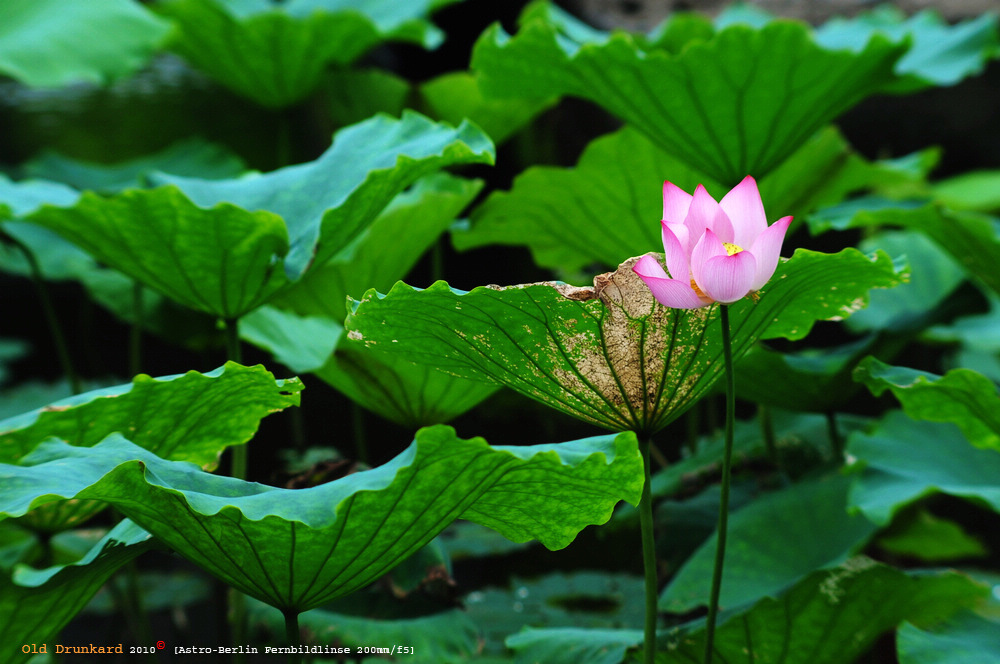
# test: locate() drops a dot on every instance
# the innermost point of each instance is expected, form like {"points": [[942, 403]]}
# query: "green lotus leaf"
{"points": [[563, 214], [449, 637], [934, 275], [818, 380], [275, 54], [738, 103], [221, 261], [830, 617], [796, 434], [18, 199], [59, 259], [204, 248], [940, 54], [409, 394], [773, 542], [414, 220], [977, 337], [191, 157], [188, 417], [904, 460], [48, 43], [305, 338], [326, 203], [966, 637], [574, 644], [354, 95], [963, 397], [921, 535], [976, 190], [972, 239], [301, 343], [454, 96], [299, 549], [609, 355], [36, 604]]}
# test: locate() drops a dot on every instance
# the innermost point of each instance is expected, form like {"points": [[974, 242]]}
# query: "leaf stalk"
{"points": [[648, 555]]}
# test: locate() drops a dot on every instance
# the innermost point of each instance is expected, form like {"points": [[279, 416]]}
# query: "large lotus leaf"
{"points": [[412, 395], [205, 249], [275, 53], [449, 637], [940, 54], [798, 434], [773, 542], [904, 460], [608, 354], [976, 190], [455, 95], [972, 239], [830, 617], [354, 95], [189, 417], [59, 259], [572, 645], [738, 103], [36, 604], [563, 215], [298, 549], [329, 201], [18, 199], [190, 157], [966, 637], [816, 380], [963, 397], [920, 535], [222, 261], [409, 394], [978, 337], [934, 275], [48, 43], [413, 221]]}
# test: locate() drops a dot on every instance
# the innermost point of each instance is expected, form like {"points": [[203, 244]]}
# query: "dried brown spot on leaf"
{"points": [[642, 359]]}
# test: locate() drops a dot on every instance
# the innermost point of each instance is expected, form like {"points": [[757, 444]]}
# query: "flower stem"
{"points": [[648, 556], [727, 457]]}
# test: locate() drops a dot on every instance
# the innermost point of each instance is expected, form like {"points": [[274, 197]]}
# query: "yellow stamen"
{"points": [[732, 250]]}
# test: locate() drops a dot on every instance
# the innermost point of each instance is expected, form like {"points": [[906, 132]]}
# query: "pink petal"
{"points": [[668, 292], [702, 212], [676, 203], [708, 247], [723, 227], [746, 211], [726, 279], [766, 249], [675, 248]]}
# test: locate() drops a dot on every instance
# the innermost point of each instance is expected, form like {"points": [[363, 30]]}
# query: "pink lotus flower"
{"points": [[715, 251]]}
